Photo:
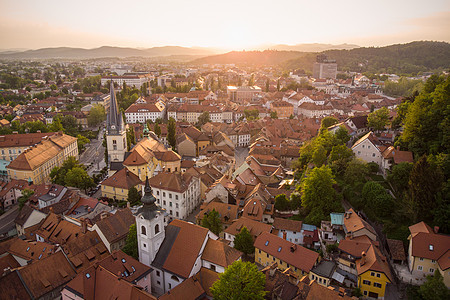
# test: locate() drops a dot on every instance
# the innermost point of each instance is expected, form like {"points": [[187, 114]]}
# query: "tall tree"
{"points": [[157, 129], [211, 220], [96, 115], [376, 199], [378, 119], [79, 178], [434, 288], [424, 187], [319, 195], [243, 241], [282, 203], [240, 281], [26, 194], [171, 135], [203, 119], [399, 177], [133, 195], [131, 244], [328, 121]]}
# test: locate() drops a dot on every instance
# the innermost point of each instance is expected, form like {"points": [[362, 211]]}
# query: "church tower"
{"points": [[151, 221], [116, 136]]}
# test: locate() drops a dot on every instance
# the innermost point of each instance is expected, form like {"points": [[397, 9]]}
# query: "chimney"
{"points": [[284, 235], [363, 258], [293, 248], [83, 225], [436, 229], [51, 209]]}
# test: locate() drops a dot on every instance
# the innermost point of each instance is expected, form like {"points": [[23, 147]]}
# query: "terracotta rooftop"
{"points": [[373, 261], [174, 182], [23, 140], [227, 212], [254, 227], [220, 253], [353, 222], [122, 179], [116, 226], [32, 250], [295, 255], [396, 249], [285, 224]]}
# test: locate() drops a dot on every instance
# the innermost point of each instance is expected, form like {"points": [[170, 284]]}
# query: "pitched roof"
{"points": [[430, 245], [420, 227], [99, 283], [227, 212], [116, 226], [286, 224], [190, 289], [23, 140], [220, 253], [12, 287], [180, 248], [122, 179], [7, 261], [373, 261], [174, 182], [48, 148], [354, 222], [47, 274], [254, 227], [31, 250], [295, 255], [396, 249]]}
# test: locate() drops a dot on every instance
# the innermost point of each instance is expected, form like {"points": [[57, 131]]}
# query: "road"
{"points": [[93, 157], [7, 219]]}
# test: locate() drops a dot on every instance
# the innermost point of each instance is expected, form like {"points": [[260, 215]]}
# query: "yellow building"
{"points": [[428, 251], [270, 248], [283, 109], [373, 273], [36, 163], [150, 157], [323, 272], [12, 145], [117, 186]]}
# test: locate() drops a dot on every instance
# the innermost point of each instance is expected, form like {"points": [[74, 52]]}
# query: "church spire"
{"points": [[114, 120], [148, 198]]}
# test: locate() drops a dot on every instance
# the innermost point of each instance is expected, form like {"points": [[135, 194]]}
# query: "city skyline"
{"points": [[231, 26]]}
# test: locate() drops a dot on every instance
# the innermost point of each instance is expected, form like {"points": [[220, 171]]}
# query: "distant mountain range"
{"points": [[315, 47], [410, 58], [105, 51], [121, 52]]}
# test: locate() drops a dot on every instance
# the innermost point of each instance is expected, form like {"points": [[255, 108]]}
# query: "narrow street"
{"points": [[93, 156]]}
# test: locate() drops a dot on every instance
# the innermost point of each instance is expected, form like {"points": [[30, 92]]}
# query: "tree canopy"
{"points": [[96, 115], [243, 241], [211, 220], [131, 244], [378, 119], [171, 134], [240, 281]]}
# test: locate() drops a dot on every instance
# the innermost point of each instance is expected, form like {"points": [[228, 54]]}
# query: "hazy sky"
{"points": [[227, 24]]}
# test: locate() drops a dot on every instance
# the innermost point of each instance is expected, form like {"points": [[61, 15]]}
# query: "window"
{"points": [[377, 285], [170, 204], [433, 261], [365, 293], [170, 286], [372, 274], [175, 278], [158, 273], [373, 154], [431, 270], [156, 228], [267, 255], [143, 230], [421, 258], [176, 205], [164, 202], [157, 193], [170, 195], [420, 268], [164, 194], [366, 282], [177, 214], [176, 197], [378, 275], [213, 267]]}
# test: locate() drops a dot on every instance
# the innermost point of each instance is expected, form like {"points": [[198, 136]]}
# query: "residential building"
{"points": [[178, 194], [140, 113], [11, 192], [323, 272], [355, 226], [283, 109], [270, 248], [28, 217], [290, 230], [118, 185], [228, 213], [130, 80], [217, 255], [428, 251], [254, 227], [36, 163], [113, 229], [12, 145], [243, 93]]}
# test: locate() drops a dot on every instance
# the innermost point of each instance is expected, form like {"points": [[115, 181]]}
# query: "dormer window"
{"points": [[431, 247]]}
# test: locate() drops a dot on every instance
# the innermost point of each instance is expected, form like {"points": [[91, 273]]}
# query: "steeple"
{"points": [[114, 119], [148, 198]]}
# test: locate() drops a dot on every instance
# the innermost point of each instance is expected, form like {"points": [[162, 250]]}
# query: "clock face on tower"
{"points": [[113, 126]]}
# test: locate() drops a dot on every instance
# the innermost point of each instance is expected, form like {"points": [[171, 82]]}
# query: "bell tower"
{"points": [[151, 221], [115, 130]]}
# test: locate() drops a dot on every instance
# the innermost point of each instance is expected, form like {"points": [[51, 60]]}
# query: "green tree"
{"points": [[319, 155], [240, 281], [131, 138], [171, 135], [211, 220], [342, 135], [26, 194], [319, 196], [282, 203], [378, 119], [56, 125], [356, 171], [70, 125], [133, 196], [82, 141], [157, 129], [378, 202], [244, 241], [131, 244], [424, 187], [203, 119], [399, 177], [329, 121], [96, 115], [79, 178], [273, 114], [434, 288], [339, 158]]}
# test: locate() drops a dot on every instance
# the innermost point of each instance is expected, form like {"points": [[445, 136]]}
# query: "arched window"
{"points": [[157, 229], [143, 230], [174, 278]]}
